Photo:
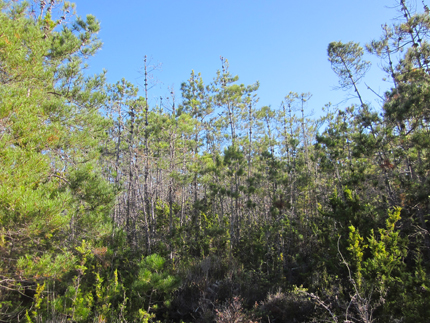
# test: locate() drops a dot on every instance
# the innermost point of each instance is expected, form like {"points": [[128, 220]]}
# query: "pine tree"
{"points": [[52, 196]]}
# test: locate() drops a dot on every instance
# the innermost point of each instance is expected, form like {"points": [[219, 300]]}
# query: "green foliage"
{"points": [[152, 286], [356, 249], [151, 277], [50, 125], [380, 271], [387, 254], [347, 62], [114, 210]]}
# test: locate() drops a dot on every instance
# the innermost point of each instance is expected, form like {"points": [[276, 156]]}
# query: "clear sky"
{"points": [[280, 43]]}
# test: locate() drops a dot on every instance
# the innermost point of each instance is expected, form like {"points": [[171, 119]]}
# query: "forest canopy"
{"points": [[209, 207]]}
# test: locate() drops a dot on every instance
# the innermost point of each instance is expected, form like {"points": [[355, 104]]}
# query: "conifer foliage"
{"points": [[208, 207]]}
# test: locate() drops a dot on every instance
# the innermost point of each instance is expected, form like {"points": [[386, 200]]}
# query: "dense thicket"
{"points": [[208, 207]]}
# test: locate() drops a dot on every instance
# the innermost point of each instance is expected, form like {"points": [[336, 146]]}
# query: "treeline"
{"points": [[208, 207]]}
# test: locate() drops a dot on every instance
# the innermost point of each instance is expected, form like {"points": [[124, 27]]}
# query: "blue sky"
{"points": [[282, 44]]}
